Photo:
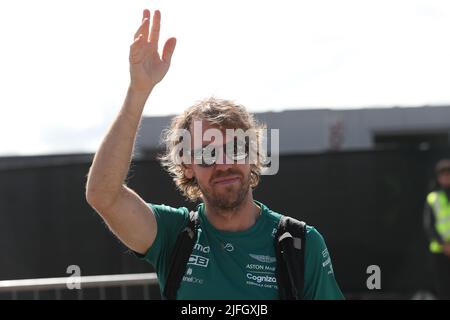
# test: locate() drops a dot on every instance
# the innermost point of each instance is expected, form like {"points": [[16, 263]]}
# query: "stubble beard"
{"points": [[229, 197]]}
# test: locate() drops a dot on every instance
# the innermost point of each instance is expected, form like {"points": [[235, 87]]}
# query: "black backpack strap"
{"points": [[290, 254], [180, 256]]}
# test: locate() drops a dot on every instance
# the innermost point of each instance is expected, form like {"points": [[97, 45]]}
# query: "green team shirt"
{"points": [[236, 265]]}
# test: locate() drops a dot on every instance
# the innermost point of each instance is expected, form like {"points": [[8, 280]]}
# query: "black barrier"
{"points": [[367, 205]]}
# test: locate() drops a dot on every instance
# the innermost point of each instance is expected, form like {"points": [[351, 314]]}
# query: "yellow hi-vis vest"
{"points": [[441, 209]]}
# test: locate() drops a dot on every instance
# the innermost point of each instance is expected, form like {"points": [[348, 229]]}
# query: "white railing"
{"points": [[100, 282]]}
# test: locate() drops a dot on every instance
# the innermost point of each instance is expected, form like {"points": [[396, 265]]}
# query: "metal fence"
{"points": [[60, 287]]}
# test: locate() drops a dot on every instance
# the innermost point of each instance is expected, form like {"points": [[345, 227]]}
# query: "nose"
{"points": [[223, 163]]}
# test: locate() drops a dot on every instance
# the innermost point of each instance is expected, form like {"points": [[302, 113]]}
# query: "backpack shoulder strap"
{"points": [[290, 254], [180, 256]]}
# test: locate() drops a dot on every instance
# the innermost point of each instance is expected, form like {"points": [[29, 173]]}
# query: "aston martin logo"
{"points": [[262, 258]]}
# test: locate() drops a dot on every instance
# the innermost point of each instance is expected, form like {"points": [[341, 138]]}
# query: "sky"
{"points": [[64, 64]]}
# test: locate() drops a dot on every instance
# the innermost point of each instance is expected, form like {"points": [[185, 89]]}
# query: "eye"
{"points": [[240, 150], [209, 155]]}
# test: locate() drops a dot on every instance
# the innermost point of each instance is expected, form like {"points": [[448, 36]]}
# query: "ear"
{"points": [[188, 171]]}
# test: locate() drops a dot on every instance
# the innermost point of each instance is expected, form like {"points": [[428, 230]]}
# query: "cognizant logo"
{"points": [[260, 279]]}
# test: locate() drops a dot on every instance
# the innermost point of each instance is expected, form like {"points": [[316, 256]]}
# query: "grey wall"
{"points": [[311, 130]]}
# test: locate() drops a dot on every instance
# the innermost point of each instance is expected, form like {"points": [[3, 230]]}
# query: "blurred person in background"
{"points": [[437, 227]]}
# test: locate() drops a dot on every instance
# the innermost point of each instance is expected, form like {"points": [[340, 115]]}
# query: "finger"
{"points": [[135, 50], [168, 50], [136, 45], [145, 14], [138, 39], [156, 25], [143, 29]]}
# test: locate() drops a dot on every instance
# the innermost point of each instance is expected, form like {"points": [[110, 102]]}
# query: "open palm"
{"points": [[147, 67]]}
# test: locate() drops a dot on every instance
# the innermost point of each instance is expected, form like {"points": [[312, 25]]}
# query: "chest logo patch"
{"points": [[198, 260], [263, 258], [229, 247]]}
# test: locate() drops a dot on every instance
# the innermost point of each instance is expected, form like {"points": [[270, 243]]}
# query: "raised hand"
{"points": [[147, 67]]}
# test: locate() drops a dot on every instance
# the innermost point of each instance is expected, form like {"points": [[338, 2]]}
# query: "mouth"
{"points": [[225, 181]]}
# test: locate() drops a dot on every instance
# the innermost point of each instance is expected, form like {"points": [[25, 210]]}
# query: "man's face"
{"points": [[444, 178], [224, 185]]}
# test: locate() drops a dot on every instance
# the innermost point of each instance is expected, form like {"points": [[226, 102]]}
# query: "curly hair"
{"points": [[223, 113]]}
